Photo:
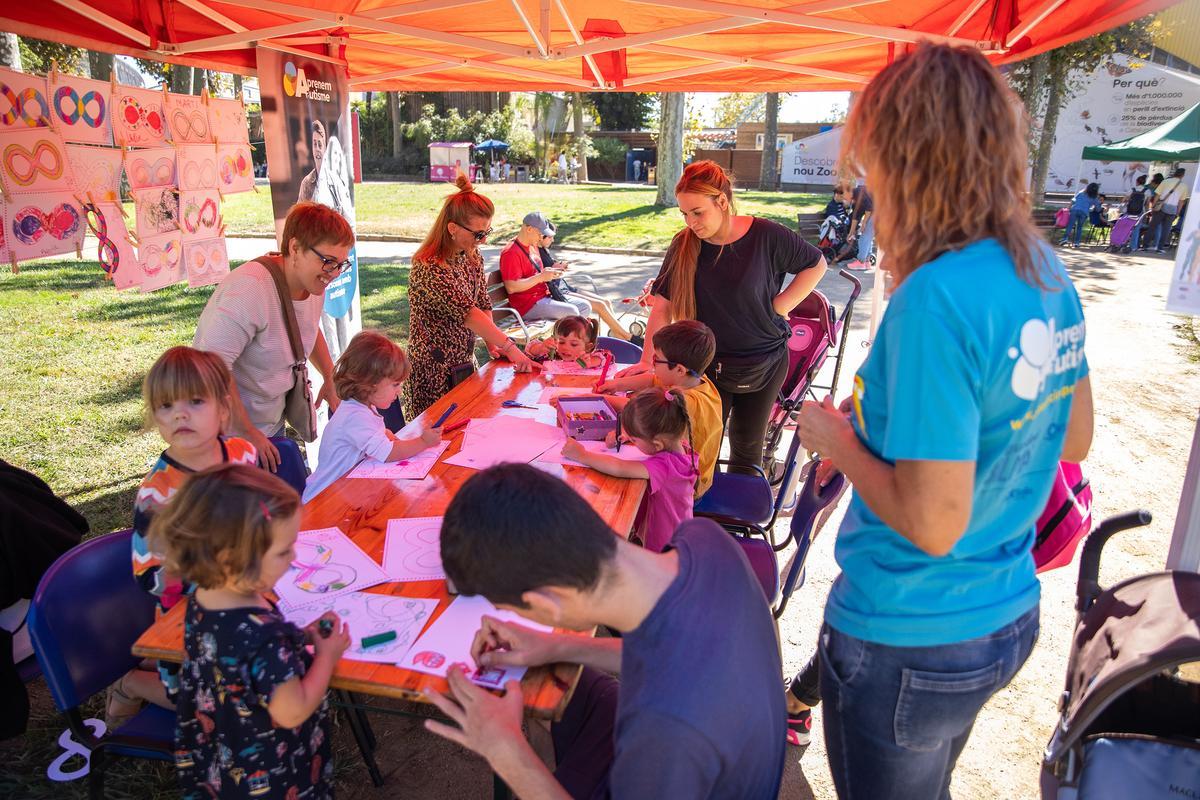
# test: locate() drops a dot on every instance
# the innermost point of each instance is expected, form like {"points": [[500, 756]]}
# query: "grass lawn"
{"points": [[588, 215]]}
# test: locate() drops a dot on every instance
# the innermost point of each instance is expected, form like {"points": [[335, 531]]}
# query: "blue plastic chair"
{"points": [[811, 501], [85, 616], [291, 464], [746, 502], [624, 352]]}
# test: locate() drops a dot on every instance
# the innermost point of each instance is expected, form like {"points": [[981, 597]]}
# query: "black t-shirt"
{"points": [[734, 292], [863, 204]]}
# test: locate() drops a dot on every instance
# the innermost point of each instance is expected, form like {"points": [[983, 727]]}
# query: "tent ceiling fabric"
{"points": [[515, 45]]}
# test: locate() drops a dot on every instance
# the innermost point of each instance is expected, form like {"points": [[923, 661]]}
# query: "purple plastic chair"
{"points": [[810, 502], [85, 616]]}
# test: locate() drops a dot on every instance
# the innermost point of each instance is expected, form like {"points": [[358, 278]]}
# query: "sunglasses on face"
{"points": [[673, 364], [331, 266], [479, 235]]}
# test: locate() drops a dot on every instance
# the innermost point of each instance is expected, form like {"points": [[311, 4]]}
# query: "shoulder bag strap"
{"points": [[285, 302]]}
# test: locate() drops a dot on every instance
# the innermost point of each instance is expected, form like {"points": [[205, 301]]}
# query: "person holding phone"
{"points": [[526, 280]]}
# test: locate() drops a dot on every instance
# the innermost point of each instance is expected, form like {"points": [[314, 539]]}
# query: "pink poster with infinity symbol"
{"points": [[37, 225], [187, 117], [23, 102], [138, 117], [80, 109], [33, 161]]}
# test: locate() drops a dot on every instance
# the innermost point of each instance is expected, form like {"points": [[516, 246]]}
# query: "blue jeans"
{"points": [[897, 718], [866, 239], [1160, 224], [1078, 218]]}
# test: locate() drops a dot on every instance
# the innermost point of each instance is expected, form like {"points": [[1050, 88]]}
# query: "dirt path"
{"points": [[1146, 391]]}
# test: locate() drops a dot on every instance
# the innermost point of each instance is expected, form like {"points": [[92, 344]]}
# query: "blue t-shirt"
{"points": [[970, 363], [701, 713]]}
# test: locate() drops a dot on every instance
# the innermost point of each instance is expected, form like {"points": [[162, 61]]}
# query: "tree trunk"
{"points": [[768, 172], [397, 124], [581, 139], [181, 79], [10, 51], [670, 147], [1056, 74], [1031, 98], [237, 86], [100, 64]]}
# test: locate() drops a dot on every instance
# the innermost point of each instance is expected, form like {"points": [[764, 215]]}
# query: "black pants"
{"points": [[806, 686], [746, 416]]}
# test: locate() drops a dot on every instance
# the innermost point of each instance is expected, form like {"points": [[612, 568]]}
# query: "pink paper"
{"points": [[81, 109], [205, 261], [188, 118], [412, 550], [153, 167], [627, 453], [413, 468], [235, 168], [95, 171], [138, 117], [34, 161]]}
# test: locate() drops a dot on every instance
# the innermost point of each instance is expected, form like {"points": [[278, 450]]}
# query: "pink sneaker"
{"points": [[860, 266]]}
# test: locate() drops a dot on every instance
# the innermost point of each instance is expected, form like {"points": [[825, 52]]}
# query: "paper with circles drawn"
{"points": [[206, 261], [80, 109], [227, 118], [448, 642], [23, 101], [127, 272], [367, 614], [138, 118], [37, 225], [95, 171], [160, 259], [199, 214], [413, 468], [327, 564], [187, 119], [34, 161], [197, 165], [413, 549], [150, 168], [157, 211], [235, 168]]}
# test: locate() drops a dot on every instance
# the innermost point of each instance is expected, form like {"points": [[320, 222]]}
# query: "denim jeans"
{"points": [[1078, 218], [548, 308], [1160, 227], [866, 239], [897, 718]]}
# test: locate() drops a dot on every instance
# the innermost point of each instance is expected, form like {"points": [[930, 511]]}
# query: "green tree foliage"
{"points": [[375, 130], [623, 111], [610, 152], [730, 108], [38, 54]]}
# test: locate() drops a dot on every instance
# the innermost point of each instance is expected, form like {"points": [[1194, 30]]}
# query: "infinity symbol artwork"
{"points": [[79, 108], [19, 107], [189, 125], [34, 162], [30, 224], [156, 257], [200, 216], [233, 166], [110, 257], [200, 175], [144, 174], [71, 748], [135, 115]]}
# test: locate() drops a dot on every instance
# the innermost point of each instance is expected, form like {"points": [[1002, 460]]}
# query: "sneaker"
{"points": [[1160, 251], [799, 728], [859, 266]]}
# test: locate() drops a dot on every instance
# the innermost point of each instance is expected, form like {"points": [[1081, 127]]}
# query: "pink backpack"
{"points": [[1066, 519], [1062, 217]]}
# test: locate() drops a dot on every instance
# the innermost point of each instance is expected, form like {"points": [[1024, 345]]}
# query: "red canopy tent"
{"points": [[643, 45]]}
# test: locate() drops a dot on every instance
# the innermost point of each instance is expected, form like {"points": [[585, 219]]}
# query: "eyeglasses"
{"points": [[331, 266], [479, 235], [673, 364]]}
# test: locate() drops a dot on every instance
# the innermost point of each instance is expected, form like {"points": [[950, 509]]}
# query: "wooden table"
{"points": [[362, 508]]}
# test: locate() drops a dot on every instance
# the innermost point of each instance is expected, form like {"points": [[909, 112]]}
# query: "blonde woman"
{"points": [[728, 271], [974, 389], [448, 299]]}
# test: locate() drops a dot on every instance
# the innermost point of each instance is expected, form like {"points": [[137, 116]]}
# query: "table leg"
{"points": [[366, 722], [359, 727]]}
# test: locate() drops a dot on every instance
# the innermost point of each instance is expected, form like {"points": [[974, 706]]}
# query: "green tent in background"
{"points": [[1176, 140]]}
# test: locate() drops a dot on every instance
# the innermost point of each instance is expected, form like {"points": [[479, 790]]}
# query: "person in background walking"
{"points": [[1168, 200], [862, 227]]}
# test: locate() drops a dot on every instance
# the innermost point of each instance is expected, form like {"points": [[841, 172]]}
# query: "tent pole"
{"points": [[1185, 542]]}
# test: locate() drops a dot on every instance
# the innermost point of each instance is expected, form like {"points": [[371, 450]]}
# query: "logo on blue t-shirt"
{"points": [[1041, 352]]}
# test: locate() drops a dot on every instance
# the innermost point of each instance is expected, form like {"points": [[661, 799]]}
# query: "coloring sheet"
{"points": [[448, 642], [188, 117], [153, 167], [157, 211], [504, 440], [95, 171], [160, 259], [205, 261], [327, 565], [572, 368], [227, 119], [197, 167], [235, 167], [540, 412], [80, 109], [37, 225], [628, 452], [138, 118], [368, 614], [551, 392], [113, 249], [5, 231], [33, 161], [199, 214], [23, 101], [413, 549], [413, 468]]}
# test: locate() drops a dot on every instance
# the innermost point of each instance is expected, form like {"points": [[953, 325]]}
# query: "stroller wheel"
{"points": [[637, 329]]}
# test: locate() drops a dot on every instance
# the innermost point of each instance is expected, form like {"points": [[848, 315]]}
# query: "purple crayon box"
{"points": [[586, 418]]}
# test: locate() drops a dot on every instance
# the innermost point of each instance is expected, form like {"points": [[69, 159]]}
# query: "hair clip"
{"points": [[266, 513]]}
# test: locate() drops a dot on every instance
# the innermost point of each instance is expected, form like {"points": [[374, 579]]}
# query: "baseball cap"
{"points": [[538, 221]]}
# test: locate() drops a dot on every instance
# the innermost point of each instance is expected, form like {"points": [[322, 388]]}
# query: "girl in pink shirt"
{"points": [[656, 423]]}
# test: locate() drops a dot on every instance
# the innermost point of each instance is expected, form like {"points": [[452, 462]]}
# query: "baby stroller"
{"points": [[1122, 230], [816, 329], [1129, 724], [832, 234]]}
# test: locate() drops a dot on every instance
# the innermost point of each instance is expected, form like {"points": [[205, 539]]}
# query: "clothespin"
{"points": [[204, 95], [15, 269], [131, 237], [221, 230], [53, 71], [79, 250]]}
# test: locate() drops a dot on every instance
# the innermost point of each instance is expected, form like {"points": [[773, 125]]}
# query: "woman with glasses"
{"points": [[448, 299], [243, 322]]}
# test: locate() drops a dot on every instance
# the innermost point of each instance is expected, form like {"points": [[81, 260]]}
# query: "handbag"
{"points": [[1066, 519], [298, 407]]}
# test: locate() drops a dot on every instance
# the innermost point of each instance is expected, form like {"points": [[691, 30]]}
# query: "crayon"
{"points": [[378, 638], [443, 417], [456, 426], [325, 628]]}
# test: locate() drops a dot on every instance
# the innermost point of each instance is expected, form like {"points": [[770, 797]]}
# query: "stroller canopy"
{"points": [[1135, 630]]}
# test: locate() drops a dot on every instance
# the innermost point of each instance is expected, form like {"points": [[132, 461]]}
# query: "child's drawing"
{"points": [[369, 614], [138, 119], [412, 550], [153, 167], [205, 261], [160, 260], [22, 101], [33, 161], [413, 468], [199, 214], [187, 116], [157, 211], [327, 564], [80, 110], [39, 225], [235, 167], [197, 167], [113, 249], [227, 120], [569, 368], [95, 171]]}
